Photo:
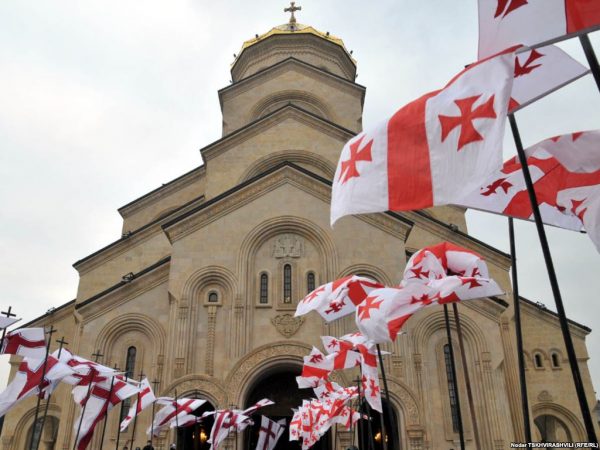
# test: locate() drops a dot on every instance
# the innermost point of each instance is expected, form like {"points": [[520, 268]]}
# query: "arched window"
{"points": [[287, 283], [129, 373], [213, 297], [537, 360], [552, 429], [264, 288], [310, 282], [451, 388], [555, 360]]}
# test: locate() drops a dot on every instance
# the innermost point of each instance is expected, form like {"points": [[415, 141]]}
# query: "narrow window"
{"points": [[287, 283], [310, 282], [538, 360], [451, 388], [213, 297], [555, 360], [129, 370], [264, 288]]}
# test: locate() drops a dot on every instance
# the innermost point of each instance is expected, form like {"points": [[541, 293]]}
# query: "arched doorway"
{"points": [[391, 434], [43, 439], [552, 429], [279, 386], [194, 437]]}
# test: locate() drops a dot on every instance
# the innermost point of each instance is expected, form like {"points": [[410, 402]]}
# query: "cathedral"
{"points": [[199, 291]]}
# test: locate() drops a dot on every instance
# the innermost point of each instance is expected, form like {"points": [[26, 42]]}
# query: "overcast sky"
{"points": [[102, 101]]}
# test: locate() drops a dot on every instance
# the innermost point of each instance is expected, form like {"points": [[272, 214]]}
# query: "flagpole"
{"points": [[387, 399], [519, 330], [119, 423], [96, 356], [61, 342], [359, 425], [110, 391], [590, 55], [369, 414], [560, 309], [461, 433], [134, 419], [8, 315], [176, 422], [463, 358], [40, 395], [155, 383]]}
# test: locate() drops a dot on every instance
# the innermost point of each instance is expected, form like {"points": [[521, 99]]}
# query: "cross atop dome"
{"points": [[293, 8]]}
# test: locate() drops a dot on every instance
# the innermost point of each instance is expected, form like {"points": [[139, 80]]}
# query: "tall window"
{"points": [[537, 359], [555, 360], [451, 388], [129, 371], [264, 288], [310, 282], [287, 283]]}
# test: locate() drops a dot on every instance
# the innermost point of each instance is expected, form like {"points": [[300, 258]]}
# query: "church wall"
{"points": [[321, 94], [225, 169], [110, 267]]}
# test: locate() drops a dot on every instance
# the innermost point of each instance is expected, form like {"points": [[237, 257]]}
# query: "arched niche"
{"points": [[24, 429], [302, 99], [554, 421]]}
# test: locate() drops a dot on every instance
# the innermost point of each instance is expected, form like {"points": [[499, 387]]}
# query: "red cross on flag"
{"points": [[269, 434], [103, 397], [172, 412], [432, 151], [565, 171], [145, 398], [504, 23], [28, 381], [30, 342]]}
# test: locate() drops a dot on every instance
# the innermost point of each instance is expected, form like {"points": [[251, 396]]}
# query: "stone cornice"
{"points": [[291, 63], [286, 173], [122, 292], [161, 192], [550, 317], [277, 116], [53, 315], [134, 239]]}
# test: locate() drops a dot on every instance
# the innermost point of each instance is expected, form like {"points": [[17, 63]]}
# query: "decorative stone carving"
{"points": [[287, 324], [545, 396], [288, 246]]}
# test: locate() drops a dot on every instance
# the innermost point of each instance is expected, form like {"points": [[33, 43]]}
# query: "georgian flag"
{"points": [[504, 23], [565, 171], [172, 412], [432, 151], [338, 298], [29, 342], [315, 370], [541, 71], [28, 381], [144, 399], [269, 433], [103, 397]]}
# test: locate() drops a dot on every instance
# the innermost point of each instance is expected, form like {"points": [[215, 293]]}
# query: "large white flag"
{"points": [[30, 342], [144, 399]]}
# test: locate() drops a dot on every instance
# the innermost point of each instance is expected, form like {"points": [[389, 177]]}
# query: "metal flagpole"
{"points": [[519, 330], [61, 343], [8, 315], [96, 356], [40, 395], [176, 422], [463, 357], [369, 416], [461, 433], [385, 409], [155, 383], [591, 57], [110, 391], [142, 375], [560, 309], [359, 425]]}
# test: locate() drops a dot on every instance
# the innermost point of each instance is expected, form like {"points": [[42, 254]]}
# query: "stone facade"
{"points": [[184, 284]]}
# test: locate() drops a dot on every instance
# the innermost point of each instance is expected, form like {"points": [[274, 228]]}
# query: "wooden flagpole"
{"points": [[590, 55], [61, 343], [519, 331], [461, 433], [110, 391], [560, 309], [40, 395], [96, 356], [463, 357]]}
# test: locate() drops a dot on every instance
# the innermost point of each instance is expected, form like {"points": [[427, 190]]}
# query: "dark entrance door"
{"points": [[195, 436], [280, 387]]}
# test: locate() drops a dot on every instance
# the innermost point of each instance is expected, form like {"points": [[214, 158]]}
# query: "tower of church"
{"points": [[200, 290]]}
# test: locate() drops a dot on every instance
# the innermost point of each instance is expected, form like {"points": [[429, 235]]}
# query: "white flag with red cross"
{"points": [[565, 171], [29, 342], [172, 412], [269, 433], [504, 23], [434, 150], [28, 381], [145, 398], [103, 397]]}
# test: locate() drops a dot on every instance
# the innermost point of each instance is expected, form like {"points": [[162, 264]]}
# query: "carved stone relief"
{"points": [[288, 246], [287, 324]]}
